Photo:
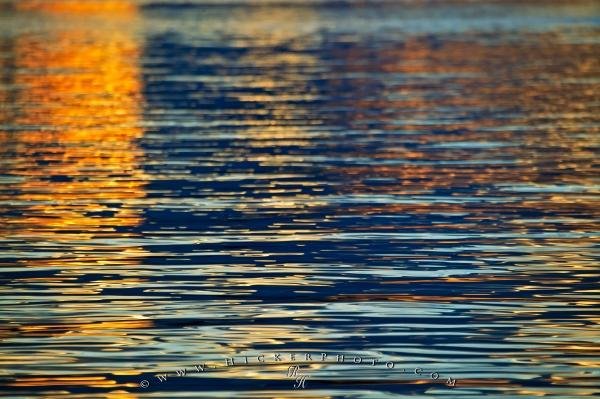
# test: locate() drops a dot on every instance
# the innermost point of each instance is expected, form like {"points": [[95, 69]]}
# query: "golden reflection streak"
{"points": [[87, 381], [78, 90], [121, 7], [80, 97], [120, 394], [103, 328]]}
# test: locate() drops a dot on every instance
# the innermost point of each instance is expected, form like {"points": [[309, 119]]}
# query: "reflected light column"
{"points": [[77, 108]]}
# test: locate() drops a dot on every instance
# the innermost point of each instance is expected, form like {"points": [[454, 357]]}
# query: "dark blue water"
{"points": [[415, 182]]}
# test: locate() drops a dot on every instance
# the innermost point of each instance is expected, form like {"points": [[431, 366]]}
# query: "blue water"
{"points": [[415, 182]]}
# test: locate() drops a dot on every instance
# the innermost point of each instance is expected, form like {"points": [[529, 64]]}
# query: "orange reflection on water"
{"points": [[107, 328], [79, 95], [87, 381], [78, 6], [76, 95]]}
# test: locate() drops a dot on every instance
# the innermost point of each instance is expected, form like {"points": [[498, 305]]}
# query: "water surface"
{"points": [[415, 181]]}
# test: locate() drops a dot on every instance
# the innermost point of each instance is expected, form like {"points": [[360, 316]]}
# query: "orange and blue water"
{"points": [[185, 182]]}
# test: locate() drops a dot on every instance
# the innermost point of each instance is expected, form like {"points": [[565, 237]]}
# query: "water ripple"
{"points": [[414, 181]]}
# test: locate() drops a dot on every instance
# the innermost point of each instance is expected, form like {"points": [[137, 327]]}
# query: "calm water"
{"points": [[411, 181]]}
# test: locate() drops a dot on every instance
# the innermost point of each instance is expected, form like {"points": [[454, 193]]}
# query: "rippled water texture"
{"points": [[413, 181]]}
